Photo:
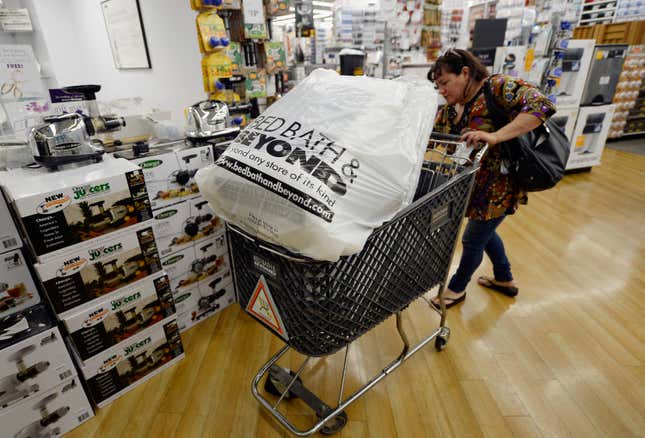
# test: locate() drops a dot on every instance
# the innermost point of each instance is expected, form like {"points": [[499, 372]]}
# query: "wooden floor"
{"points": [[565, 358]]}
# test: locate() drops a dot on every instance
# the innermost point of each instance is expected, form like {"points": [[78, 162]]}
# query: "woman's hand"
{"points": [[479, 138]]}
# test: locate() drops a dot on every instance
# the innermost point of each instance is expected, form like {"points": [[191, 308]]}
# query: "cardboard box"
{"points": [[575, 69], [61, 209], [33, 366], [120, 315], [96, 268], [51, 413], [170, 170], [180, 225], [211, 259], [24, 324], [203, 293], [207, 306], [9, 237], [590, 136], [120, 368], [17, 288]]}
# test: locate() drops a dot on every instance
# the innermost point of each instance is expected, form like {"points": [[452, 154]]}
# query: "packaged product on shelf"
{"points": [[320, 188], [169, 171], [234, 53], [9, 237], [17, 288], [121, 368], [276, 59], [278, 7], [24, 324], [255, 27], [52, 413], [212, 32], [208, 304], [256, 84], [590, 136], [33, 366], [215, 66], [511, 61], [60, 209], [99, 267], [115, 319]]}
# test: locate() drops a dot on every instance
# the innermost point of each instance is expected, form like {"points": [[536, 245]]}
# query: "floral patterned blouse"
{"points": [[495, 193]]}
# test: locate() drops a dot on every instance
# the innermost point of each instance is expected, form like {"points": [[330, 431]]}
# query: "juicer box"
{"points": [[194, 264], [17, 288], [180, 225], [120, 315], [52, 413], [33, 366], [61, 209], [9, 237], [118, 369], [24, 324], [98, 267], [207, 306], [203, 293], [170, 170]]}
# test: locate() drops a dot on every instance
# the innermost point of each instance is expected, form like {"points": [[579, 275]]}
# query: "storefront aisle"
{"points": [[565, 358]]}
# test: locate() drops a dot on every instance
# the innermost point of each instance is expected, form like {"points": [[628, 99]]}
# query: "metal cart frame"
{"points": [[447, 162]]}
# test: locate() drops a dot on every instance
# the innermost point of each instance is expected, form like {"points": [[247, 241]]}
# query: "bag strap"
{"points": [[498, 114]]}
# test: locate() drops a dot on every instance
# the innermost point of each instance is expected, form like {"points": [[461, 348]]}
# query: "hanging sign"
{"points": [[304, 18]]}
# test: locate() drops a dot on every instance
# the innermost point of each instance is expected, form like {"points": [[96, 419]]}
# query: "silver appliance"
{"points": [[66, 138], [209, 119], [604, 73]]}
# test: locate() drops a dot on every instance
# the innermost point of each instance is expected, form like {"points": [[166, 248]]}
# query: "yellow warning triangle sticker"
{"points": [[262, 306]]}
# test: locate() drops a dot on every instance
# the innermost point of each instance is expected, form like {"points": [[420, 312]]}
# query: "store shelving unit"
{"points": [[597, 11]]}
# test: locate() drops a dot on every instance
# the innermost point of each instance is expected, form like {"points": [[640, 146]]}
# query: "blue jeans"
{"points": [[478, 237]]}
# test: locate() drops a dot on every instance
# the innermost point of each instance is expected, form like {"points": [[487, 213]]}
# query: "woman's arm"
{"points": [[523, 123]]}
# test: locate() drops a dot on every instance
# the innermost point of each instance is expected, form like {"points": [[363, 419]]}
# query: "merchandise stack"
{"points": [[189, 236], [90, 230], [629, 118], [239, 62], [40, 392]]}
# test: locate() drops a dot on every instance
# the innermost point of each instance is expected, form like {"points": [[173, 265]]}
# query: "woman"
{"points": [[461, 79]]}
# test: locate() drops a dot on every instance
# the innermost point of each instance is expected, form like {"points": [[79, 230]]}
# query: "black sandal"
{"points": [[509, 291], [452, 302]]}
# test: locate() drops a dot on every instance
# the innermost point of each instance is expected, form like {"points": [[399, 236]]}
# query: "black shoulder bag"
{"points": [[536, 159]]}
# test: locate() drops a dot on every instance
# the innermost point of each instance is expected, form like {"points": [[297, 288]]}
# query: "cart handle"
{"points": [[446, 137]]}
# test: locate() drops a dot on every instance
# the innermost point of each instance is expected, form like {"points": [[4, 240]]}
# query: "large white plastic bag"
{"points": [[321, 168]]}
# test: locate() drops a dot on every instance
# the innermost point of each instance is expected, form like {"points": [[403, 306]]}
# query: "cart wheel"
{"points": [[276, 388], [335, 424], [442, 338]]}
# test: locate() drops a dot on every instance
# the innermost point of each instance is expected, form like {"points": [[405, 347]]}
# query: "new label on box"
{"points": [[17, 288], [121, 316], [111, 372], [77, 205], [52, 413], [98, 268], [33, 366]]}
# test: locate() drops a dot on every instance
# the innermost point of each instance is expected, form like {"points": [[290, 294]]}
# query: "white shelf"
{"points": [[598, 2], [593, 20]]}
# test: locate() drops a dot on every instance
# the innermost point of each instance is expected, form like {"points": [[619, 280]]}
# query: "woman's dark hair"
{"points": [[454, 60]]}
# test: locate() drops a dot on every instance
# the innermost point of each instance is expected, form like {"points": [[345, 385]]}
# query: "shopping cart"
{"points": [[319, 307]]}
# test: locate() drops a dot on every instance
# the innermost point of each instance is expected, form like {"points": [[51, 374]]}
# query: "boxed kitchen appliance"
{"points": [[119, 369], [61, 209], [9, 237], [52, 413], [33, 366], [207, 304], [24, 324], [120, 315], [17, 288], [511, 60], [170, 170], [606, 66], [566, 119], [98, 267], [590, 136], [210, 259], [180, 225], [208, 290], [576, 59]]}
